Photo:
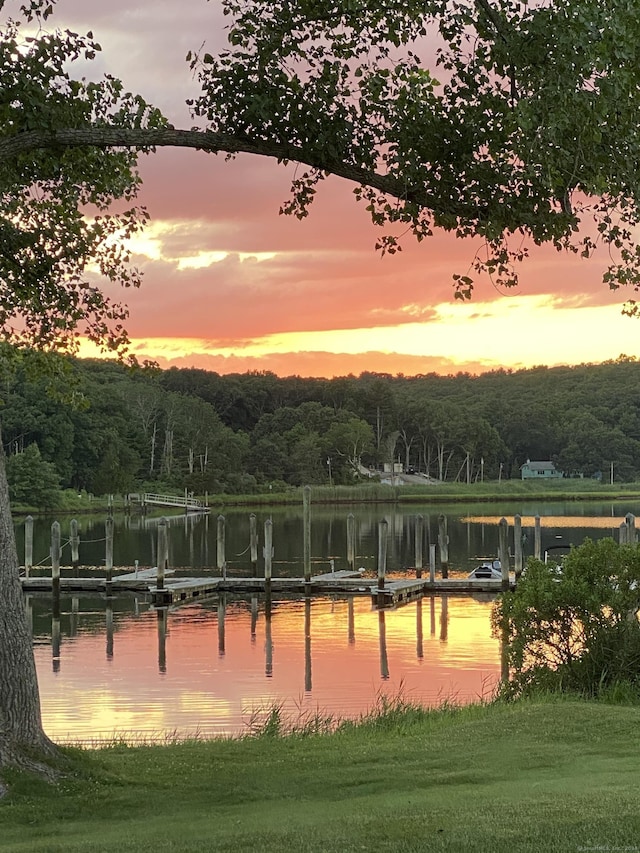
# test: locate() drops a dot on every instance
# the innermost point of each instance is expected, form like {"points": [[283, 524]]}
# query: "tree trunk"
{"points": [[23, 743]]}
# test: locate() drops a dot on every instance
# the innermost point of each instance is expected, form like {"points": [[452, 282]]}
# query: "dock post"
{"points": [[108, 526], [74, 540], [351, 542], [503, 551], [268, 550], [419, 533], [382, 552], [517, 545], [537, 538], [306, 533], [630, 521], [432, 563], [55, 566], [28, 545], [443, 542], [163, 552], [221, 560], [622, 534], [253, 544]]}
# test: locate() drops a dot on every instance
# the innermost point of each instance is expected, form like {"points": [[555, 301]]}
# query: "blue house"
{"points": [[539, 471]]}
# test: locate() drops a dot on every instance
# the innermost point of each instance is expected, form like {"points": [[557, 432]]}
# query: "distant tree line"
{"points": [[106, 428]]}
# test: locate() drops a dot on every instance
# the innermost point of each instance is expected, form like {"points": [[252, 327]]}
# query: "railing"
{"points": [[182, 501]]}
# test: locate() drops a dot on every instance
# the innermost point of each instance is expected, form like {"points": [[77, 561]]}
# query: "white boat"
{"points": [[487, 570]]}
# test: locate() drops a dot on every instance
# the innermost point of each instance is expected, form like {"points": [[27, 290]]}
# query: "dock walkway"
{"points": [[176, 590]]}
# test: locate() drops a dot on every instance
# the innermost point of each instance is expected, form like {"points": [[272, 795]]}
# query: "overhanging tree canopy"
{"points": [[496, 119]]}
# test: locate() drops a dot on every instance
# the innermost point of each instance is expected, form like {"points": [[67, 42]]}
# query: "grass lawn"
{"points": [[557, 775]]}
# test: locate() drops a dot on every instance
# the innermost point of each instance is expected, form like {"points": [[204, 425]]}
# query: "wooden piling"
{"points": [[537, 538], [351, 542], [74, 541], [221, 560], [517, 545], [503, 551], [163, 552], [622, 534], [630, 521], [419, 533], [108, 562], [55, 565], [432, 563], [28, 545], [253, 544], [382, 552], [306, 532], [268, 549], [443, 542], [444, 618]]}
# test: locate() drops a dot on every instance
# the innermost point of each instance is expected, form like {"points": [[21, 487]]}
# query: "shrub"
{"points": [[576, 629]]}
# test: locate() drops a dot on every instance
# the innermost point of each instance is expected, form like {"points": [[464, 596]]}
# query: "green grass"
{"points": [[556, 775]]}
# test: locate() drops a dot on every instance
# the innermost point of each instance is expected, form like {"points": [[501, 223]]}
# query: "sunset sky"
{"points": [[229, 285]]}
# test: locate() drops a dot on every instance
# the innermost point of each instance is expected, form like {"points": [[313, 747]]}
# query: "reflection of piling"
{"points": [[221, 613], [444, 618], [268, 667], [28, 545], [351, 542], [55, 641], [351, 624], [306, 532], [254, 617], [384, 662], [432, 615], [162, 639], [443, 542], [109, 627], [307, 643], [221, 560], [419, 646], [74, 541], [504, 650], [537, 538], [503, 551], [253, 544], [418, 544], [55, 566], [73, 618], [517, 545]]}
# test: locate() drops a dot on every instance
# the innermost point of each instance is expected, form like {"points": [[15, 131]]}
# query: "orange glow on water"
{"points": [[208, 673]]}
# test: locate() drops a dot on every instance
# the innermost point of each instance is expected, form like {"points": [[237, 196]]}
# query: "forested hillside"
{"points": [[107, 428]]}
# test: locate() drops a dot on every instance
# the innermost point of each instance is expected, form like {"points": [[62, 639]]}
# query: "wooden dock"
{"points": [[177, 590]]}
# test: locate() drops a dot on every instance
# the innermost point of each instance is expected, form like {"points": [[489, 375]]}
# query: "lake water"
{"points": [[118, 667]]}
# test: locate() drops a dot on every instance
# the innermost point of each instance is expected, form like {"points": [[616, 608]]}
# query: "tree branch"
{"points": [[101, 136]]}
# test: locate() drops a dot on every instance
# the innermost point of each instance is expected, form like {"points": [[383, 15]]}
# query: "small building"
{"points": [[539, 471]]}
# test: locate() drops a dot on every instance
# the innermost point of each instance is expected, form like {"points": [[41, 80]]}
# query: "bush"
{"points": [[32, 481], [574, 630]]}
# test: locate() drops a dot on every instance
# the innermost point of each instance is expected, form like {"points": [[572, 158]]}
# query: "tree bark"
{"points": [[23, 743]]}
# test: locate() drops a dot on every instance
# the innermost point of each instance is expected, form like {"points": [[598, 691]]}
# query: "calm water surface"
{"points": [[119, 667]]}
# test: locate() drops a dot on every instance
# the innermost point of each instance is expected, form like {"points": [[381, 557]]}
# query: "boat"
{"points": [[487, 570]]}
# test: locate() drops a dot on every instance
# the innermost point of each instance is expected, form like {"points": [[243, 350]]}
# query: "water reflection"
{"points": [[331, 654]]}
